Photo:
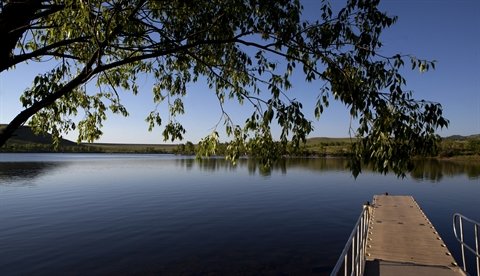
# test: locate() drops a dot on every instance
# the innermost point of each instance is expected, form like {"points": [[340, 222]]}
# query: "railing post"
{"points": [[355, 246], [476, 250], [458, 220], [357, 254], [462, 243], [365, 218], [362, 239], [353, 255]]}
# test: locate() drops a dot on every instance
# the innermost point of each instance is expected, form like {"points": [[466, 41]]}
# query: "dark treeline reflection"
{"points": [[253, 167], [425, 169], [428, 169], [21, 173], [435, 170]]}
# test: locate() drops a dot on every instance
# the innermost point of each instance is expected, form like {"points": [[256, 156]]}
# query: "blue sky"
{"points": [[442, 30]]}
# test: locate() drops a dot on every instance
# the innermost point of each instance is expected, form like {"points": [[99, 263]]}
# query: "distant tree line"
{"points": [[314, 148], [336, 148], [467, 147], [81, 148], [38, 147]]}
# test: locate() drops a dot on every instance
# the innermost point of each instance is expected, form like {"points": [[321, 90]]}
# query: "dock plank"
{"points": [[402, 239]]}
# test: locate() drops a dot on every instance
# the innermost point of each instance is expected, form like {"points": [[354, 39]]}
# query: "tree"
{"points": [[111, 43]]}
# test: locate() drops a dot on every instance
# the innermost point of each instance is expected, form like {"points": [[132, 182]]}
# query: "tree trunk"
{"points": [[15, 19]]}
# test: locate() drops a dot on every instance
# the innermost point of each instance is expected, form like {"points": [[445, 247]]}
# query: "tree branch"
{"points": [[42, 51]]}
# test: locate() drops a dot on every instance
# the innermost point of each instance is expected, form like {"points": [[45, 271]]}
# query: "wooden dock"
{"points": [[402, 241]]}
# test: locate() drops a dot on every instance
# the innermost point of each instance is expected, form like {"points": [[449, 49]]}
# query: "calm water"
{"points": [[80, 214]]}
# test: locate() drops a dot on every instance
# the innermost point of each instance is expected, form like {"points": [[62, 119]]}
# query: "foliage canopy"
{"points": [[234, 46]]}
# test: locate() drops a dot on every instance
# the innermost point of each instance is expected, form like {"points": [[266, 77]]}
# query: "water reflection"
{"points": [[20, 174], [174, 215], [425, 169], [435, 170]]}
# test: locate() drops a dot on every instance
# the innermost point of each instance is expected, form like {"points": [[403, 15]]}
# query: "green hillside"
{"points": [[24, 140], [324, 146], [451, 146], [463, 138], [132, 148]]}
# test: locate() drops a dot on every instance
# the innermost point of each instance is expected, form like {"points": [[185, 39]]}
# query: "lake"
{"points": [[92, 214]]}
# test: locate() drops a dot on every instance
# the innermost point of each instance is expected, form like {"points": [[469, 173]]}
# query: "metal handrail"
{"points": [[458, 220], [352, 258]]}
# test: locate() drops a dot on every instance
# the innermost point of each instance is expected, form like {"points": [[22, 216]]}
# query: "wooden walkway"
{"points": [[402, 241]]}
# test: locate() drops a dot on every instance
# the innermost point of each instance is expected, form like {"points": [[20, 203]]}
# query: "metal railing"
{"points": [[352, 259], [458, 220]]}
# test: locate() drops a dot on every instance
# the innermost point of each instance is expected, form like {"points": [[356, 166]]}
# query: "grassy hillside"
{"points": [[460, 146], [452, 146], [132, 148], [25, 135], [462, 138], [24, 140], [323, 146]]}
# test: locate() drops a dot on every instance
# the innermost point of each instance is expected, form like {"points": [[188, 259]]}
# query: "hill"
{"points": [[451, 146], [25, 140], [463, 138], [25, 135]]}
